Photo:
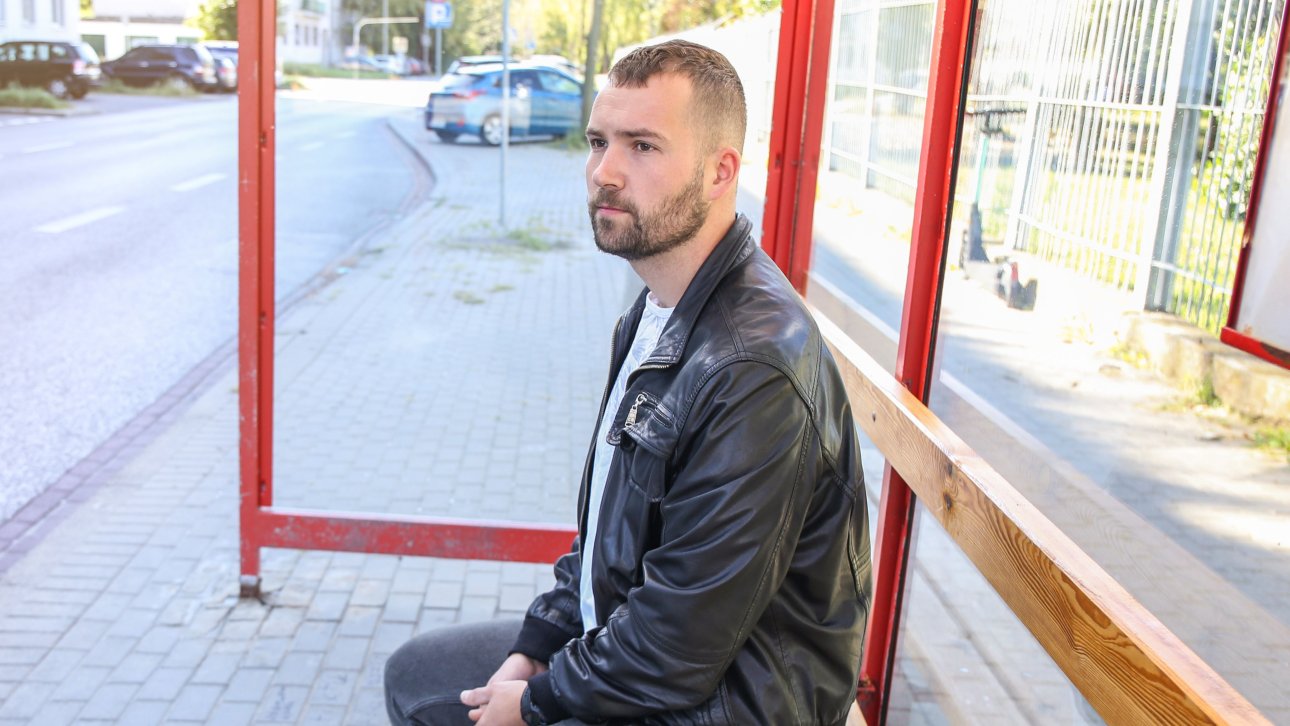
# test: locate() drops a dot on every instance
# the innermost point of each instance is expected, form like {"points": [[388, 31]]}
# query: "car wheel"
{"points": [[446, 136], [57, 88], [178, 83], [79, 92], [491, 131]]}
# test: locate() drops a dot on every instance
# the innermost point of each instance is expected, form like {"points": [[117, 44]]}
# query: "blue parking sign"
{"points": [[438, 14]]}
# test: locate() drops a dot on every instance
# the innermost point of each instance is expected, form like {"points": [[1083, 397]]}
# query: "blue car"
{"points": [[544, 102]]}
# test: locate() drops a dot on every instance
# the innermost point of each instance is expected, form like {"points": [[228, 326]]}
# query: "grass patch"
{"points": [[1276, 440], [16, 96], [172, 90], [530, 239], [312, 70], [503, 287], [468, 297]]}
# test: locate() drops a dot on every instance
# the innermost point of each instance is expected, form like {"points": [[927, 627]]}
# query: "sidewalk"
{"points": [[452, 369]]}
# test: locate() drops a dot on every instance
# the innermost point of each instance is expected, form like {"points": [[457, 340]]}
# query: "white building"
{"points": [[119, 25], [304, 26], [39, 20]]}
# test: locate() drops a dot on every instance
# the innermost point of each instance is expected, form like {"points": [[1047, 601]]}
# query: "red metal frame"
{"points": [[262, 525], [797, 126], [797, 123], [800, 97], [1230, 334], [933, 204]]}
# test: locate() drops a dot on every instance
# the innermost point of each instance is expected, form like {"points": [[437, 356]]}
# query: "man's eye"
{"points": [[596, 143], [642, 146]]}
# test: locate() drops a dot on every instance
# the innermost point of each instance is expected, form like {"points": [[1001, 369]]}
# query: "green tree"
{"points": [[217, 19]]}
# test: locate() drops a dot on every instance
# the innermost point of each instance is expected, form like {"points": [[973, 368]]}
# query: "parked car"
{"points": [[180, 65], [544, 101], [225, 56], [470, 61], [62, 68], [363, 63], [225, 73], [227, 50]]}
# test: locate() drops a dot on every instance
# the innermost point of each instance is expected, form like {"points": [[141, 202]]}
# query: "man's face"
{"points": [[645, 176]]}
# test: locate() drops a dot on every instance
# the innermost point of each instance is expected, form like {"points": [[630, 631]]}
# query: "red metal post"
{"points": [[1230, 334], [257, 21], [933, 202], [797, 123]]}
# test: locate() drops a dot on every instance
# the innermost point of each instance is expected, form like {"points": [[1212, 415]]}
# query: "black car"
{"points": [[178, 65], [62, 68]]}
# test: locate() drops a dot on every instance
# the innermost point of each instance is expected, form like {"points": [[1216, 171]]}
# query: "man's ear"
{"points": [[726, 175]]}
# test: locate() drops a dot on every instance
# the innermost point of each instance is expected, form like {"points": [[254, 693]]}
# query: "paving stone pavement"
{"points": [[453, 368]]}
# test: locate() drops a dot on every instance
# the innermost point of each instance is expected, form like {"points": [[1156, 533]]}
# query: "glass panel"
{"points": [[963, 657], [1103, 167], [1079, 178], [471, 352]]}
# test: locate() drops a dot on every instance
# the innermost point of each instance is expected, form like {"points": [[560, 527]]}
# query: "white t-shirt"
{"points": [[651, 326]]}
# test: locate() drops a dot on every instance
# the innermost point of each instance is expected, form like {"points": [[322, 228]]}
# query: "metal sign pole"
{"points": [[438, 51], [506, 106]]}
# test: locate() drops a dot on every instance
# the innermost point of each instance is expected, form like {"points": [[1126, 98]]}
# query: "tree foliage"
{"points": [[217, 19]]}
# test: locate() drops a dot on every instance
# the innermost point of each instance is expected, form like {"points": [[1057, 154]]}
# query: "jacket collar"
{"points": [[733, 248]]}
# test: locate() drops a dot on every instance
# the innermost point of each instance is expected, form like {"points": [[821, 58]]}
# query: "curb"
{"points": [[61, 112], [1188, 357]]}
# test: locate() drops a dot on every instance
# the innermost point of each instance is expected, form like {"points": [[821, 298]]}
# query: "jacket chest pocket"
{"points": [[645, 440], [637, 484]]}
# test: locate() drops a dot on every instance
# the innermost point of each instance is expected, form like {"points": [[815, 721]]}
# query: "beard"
{"points": [[672, 224]]}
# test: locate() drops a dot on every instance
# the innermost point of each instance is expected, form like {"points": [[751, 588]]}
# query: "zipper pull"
{"points": [[631, 412]]}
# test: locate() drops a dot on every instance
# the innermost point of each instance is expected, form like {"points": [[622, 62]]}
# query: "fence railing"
{"points": [[1132, 155]]}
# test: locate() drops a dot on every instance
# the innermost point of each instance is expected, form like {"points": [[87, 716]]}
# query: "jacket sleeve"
{"points": [[555, 617], [731, 520]]}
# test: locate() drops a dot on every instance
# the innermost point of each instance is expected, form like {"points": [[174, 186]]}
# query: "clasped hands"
{"points": [[498, 702]]}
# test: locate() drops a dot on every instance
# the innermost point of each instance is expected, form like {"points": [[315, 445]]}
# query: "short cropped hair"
{"points": [[717, 102]]}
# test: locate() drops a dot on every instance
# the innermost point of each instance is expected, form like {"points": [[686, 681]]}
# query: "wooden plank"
{"points": [[1124, 661]]}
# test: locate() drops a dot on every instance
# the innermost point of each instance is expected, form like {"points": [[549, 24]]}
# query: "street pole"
{"points": [[506, 105], [385, 35], [376, 21], [593, 43], [438, 52]]}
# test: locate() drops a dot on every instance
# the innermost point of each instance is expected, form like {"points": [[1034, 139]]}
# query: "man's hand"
{"points": [[517, 667], [497, 704]]}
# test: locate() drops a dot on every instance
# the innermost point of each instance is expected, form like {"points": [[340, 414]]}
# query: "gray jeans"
{"points": [[425, 677]]}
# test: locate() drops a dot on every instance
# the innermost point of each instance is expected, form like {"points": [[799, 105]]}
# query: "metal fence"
{"points": [[1116, 138]]}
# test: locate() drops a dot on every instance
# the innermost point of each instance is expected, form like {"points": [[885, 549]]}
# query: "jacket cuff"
{"points": [[542, 694], [539, 639]]}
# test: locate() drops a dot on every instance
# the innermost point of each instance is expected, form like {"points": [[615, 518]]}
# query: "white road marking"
{"points": [[313, 146], [345, 135], [47, 147], [25, 120], [79, 220], [200, 181]]}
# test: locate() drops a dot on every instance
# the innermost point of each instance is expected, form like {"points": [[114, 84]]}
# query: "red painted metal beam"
{"points": [[797, 123], [422, 536], [933, 203], [1230, 334], [257, 21]]}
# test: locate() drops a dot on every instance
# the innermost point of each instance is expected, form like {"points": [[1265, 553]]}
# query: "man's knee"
{"points": [[398, 669]]}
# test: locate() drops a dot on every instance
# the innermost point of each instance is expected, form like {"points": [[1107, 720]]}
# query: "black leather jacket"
{"points": [[732, 568]]}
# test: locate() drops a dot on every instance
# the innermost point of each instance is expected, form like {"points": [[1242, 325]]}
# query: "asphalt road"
{"points": [[119, 238]]}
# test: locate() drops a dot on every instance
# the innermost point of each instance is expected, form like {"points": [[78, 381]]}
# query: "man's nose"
{"points": [[607, 170]]}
